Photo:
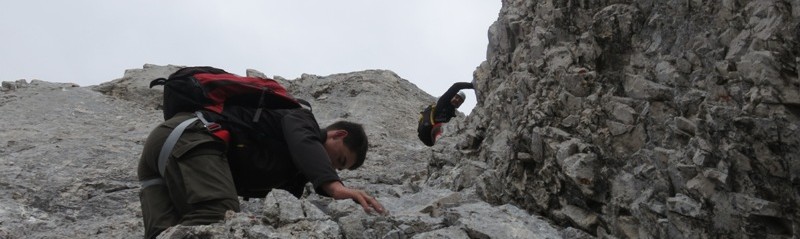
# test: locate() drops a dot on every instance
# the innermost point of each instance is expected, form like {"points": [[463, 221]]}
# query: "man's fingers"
{"points": [[362, 199], [367, 202], [375, 204]]}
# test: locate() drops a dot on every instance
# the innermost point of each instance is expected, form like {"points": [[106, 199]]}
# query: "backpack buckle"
{"points": [[213, 127], [210, 126]]}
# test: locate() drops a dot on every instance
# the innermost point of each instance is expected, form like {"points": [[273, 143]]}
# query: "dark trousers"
{"points": [[197, 186], [427, 132]]}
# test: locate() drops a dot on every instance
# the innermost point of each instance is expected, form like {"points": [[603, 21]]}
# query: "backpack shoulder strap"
{"points": [[169, 144], [433, 112], [172, 139], [166, 149]]}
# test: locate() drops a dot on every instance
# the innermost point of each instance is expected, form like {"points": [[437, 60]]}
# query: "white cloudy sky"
{"points": [[432, 43]]}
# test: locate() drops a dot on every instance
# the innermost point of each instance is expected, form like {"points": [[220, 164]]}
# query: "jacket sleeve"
{"points": [[302, 135], [452, 91]]}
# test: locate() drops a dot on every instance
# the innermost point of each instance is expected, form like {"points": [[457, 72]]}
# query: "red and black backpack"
{"points": [[207, 88]]}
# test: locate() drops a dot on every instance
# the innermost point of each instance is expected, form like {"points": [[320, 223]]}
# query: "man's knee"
{"points": [[436, 132], [208, 212], [206, 177], [158, 211]]}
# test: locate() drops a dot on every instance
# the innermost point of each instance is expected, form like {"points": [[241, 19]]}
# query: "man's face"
{"points": [[341, 156], [457, 101]]}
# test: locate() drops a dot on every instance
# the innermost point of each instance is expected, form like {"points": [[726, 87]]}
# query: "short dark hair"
{"points": [[356, 140]]}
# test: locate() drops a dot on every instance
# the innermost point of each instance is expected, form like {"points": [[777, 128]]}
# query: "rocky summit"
{"points": [[70, 153], [595, 119]]}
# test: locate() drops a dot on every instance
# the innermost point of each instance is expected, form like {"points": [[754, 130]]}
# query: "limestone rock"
{"points": [[658, 119]]}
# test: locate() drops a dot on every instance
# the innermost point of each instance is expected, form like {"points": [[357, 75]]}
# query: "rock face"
{"points": [[611, 119], [68, 158], [639, 119]]}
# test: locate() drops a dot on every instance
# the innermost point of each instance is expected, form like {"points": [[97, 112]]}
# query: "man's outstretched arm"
{"points": [[338, 191], [452, 91]]}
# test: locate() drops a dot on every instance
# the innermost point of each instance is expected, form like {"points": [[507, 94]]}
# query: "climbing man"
{"points": [[196, 164], [429, 128]]}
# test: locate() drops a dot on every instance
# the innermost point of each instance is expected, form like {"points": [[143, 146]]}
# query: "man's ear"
{"points": [[339, 133]]}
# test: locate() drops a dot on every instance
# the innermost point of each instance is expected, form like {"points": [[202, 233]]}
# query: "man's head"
{"points": [[458, 99], [346, 145]]}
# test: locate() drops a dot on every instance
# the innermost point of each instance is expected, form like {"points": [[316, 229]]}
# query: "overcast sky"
{"points": [[432, 43]]}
